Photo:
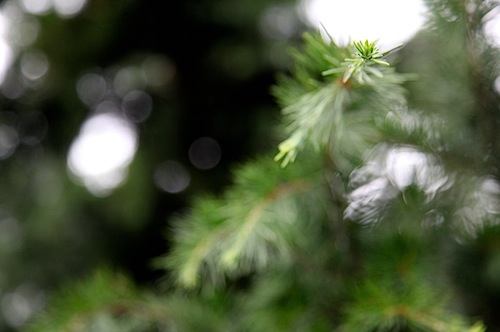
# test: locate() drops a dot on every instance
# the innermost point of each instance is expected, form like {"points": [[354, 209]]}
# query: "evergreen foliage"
{"points": [[373, 222]]}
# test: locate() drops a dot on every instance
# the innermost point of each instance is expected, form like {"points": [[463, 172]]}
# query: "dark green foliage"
{"points": [[381, 215]]}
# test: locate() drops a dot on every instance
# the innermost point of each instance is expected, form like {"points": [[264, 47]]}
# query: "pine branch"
{"points": [[314, 117], [106, 294], [111, 302], [326, 85], [416, 306], [254, 224], [254, 216], [196, 240]]}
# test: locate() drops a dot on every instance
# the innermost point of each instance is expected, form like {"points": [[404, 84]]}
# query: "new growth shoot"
{"points": [[367, 55]]}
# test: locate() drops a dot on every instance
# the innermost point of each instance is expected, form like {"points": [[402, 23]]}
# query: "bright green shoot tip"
{"points": [[288, 150], [367, 53]]}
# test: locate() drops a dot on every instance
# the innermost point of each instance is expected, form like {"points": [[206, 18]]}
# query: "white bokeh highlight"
{"points": [[6, 51], [100, 155], [36, 7], [204, 153], [64, 8], [172, 177]]}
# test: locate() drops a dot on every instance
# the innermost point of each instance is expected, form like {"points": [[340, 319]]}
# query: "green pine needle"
{"points": [[317, 99]]}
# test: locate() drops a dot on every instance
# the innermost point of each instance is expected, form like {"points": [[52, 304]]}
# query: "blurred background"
{"points": [[114, 113]]}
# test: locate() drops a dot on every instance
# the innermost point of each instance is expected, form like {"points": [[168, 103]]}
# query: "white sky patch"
{"points": [[492, 26], [497, 84], [100, 154], [403, 165], [391, 22], [389, 171]]}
